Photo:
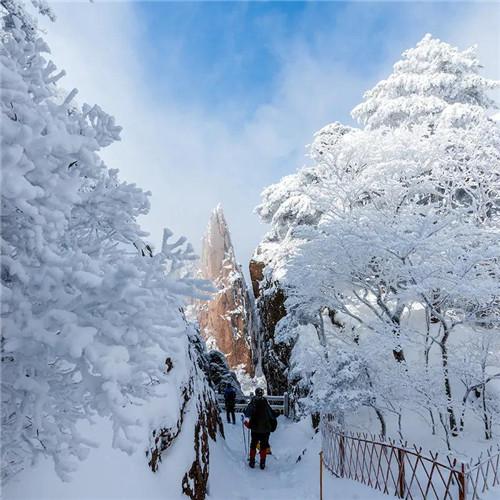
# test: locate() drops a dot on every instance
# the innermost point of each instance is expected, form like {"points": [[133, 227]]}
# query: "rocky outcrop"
{"points": [[198, 395], [226, 322], [256, 268], [270, 304], [220, 375], [195, 481]]}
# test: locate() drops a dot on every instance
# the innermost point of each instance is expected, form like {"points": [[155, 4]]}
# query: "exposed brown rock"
{"points": [[225, 321], [256, 268], [270, 304]]}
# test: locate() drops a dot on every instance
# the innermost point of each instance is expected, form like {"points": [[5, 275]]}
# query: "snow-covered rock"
{"points": [[219, 373]]}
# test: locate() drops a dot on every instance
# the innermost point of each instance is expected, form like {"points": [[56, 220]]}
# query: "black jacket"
{"points": [[261, 415], [230, 398]]}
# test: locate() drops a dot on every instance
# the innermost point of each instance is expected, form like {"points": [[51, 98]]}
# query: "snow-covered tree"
{"points": [[433, 82], [406, 252], [339, 385], [90, 313]]}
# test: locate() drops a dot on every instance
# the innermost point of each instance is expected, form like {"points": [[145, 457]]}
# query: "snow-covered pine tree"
{"points": [[92, 318], [433, 82], [406, 254]]}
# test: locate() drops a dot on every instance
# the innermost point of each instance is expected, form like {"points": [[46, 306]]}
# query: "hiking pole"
{"points": [[244, 437]]}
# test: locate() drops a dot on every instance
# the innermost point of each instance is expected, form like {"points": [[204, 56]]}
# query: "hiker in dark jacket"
{"points": [[261, 420], [229, 403]]}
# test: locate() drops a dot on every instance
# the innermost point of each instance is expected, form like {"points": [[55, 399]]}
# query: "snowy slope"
{"points": [[109, 473], [284, 477]]}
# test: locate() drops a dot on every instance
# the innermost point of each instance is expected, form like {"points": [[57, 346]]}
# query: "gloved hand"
{"points": [[246, 422]]}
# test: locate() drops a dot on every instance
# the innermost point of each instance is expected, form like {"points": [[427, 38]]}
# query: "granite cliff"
{"points": [[226, 322]]}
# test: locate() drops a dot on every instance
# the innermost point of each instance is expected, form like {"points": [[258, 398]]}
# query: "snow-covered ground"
{"points": [[111, 474], [108, 473], [284, 477]]}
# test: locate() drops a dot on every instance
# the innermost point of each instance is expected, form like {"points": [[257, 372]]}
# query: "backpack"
{"points": [[274, 424], [273, 420]]}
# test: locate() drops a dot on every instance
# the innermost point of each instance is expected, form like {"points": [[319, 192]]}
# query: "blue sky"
{"points": [[230, 56], [218, 100]]}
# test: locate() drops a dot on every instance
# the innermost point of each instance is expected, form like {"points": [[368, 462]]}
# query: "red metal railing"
{"points": [[396, 469], [483, 474]]}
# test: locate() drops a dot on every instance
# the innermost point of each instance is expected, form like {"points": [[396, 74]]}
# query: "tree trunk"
{"points": [[320, 330], [447, 385], [395, 318], [433, 422], [380, 416], [398, 352], [315, 420], [442, 419], [486, 418]]}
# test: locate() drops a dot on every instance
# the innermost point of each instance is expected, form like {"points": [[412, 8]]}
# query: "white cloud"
{"points": [[191, 160]]}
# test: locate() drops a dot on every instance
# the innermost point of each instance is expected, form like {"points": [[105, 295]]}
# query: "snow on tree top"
{"points": [[430, 77]]}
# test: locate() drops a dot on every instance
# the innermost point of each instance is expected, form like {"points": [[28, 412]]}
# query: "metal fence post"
{"points": [[341, 454], [462, 492], [285, 404], [401, 473]]}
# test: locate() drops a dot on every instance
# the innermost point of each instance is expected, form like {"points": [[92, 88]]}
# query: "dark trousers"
{"points": [[263, 439], [230, 413]]}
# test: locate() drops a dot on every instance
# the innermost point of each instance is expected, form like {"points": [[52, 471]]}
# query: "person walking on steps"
{"points": [[229, 403], [261, 420]]}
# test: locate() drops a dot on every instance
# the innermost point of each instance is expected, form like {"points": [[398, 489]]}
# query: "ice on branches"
{"points": [[388, 244], [90, 312]]}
